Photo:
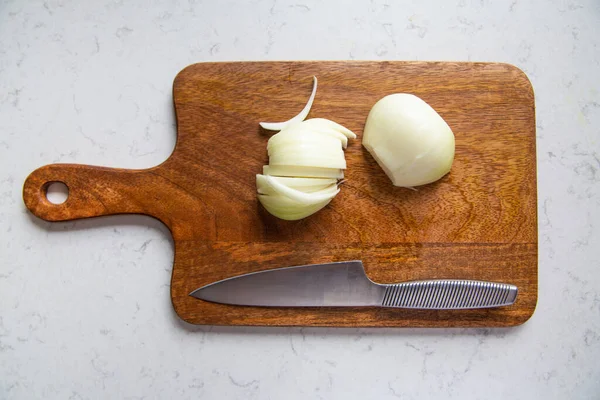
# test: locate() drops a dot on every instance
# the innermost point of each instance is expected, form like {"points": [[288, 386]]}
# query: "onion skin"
{"points": [[409, 140]]}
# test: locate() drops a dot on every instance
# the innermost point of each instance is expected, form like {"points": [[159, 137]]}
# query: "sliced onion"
{"points": [[277, 126], [303, 172], [306, 159]]}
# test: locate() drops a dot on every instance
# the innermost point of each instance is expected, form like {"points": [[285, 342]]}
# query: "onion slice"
{"points": [[278, 126], [278, 142], [303, 172], [300, 131], [313, 159], [306, 185], [301, 197], [287, 209], [329, 124]]}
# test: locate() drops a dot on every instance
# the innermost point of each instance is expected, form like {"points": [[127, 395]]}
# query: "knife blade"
{"points": [[345, 284]]}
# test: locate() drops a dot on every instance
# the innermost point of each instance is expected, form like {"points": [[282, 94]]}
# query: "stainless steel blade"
{"points": [[345, 284], [319, 285]]}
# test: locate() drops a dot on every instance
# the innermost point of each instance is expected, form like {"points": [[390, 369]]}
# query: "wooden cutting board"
{"points": [[478, 222]]}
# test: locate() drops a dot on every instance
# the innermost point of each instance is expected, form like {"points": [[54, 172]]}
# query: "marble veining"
{"points": [[84, 306]]}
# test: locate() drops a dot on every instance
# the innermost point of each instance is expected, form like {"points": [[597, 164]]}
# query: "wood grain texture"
{"points": [[478, 222]]}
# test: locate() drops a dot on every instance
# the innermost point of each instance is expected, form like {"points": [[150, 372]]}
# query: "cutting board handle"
{"points": [[93, 191]]}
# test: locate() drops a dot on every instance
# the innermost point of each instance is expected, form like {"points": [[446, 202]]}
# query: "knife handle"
{"points": [[449, 294]]}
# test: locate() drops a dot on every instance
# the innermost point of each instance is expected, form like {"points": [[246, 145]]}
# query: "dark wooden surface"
{"points": [[478, 222]]}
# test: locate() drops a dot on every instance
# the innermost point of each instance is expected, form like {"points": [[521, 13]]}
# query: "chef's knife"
{"points": [[345, 284]]}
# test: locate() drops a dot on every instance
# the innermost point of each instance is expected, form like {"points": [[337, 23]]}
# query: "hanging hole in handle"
{"points": [[56, 192]]}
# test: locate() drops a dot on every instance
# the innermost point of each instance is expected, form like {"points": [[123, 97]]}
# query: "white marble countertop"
{"points": [[84, 306]]}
